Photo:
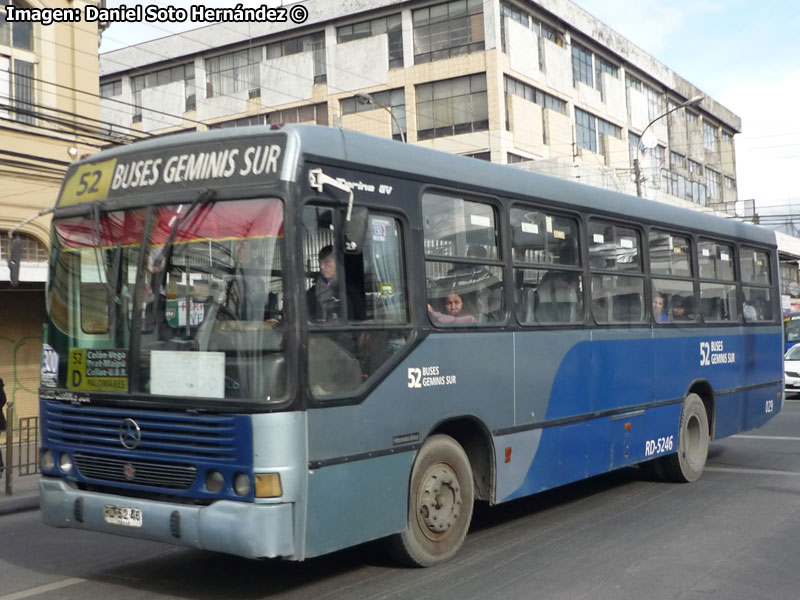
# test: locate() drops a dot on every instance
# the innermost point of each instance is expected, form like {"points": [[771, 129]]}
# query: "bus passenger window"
{"points": [[546, 296], [616, 298], [717, 288], [462, 267], [673, 294], [678, 300], [756, 280]]}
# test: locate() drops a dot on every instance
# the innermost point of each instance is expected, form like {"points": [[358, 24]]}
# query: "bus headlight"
{"points": [[48, 461], [214, 481], [65, 463], [268, 485], [241, 484]]}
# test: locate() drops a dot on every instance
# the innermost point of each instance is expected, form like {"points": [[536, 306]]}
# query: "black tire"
{"points": [[440, 503], [688, 463]]}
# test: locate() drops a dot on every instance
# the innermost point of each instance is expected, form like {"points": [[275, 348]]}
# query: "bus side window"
{"points": [[462, 252], [353, 296]]}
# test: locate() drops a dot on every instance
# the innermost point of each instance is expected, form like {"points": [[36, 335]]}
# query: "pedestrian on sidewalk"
{"points": [[2, 420]]}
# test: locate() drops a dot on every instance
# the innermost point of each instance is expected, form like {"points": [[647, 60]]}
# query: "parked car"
{"points": [[791, 370]]}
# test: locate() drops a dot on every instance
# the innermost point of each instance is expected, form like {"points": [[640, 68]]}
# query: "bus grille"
{"points": [[166, 437], [177, 477]]}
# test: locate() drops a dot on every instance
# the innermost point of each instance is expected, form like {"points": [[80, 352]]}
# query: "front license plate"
{"points": [[122, 515]]}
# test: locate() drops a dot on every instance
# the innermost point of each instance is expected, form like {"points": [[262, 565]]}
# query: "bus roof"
{"points": [[424, 164]]}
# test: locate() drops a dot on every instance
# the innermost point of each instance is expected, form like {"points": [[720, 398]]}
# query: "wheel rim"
{"points": [[693, 440], [439, 501]]}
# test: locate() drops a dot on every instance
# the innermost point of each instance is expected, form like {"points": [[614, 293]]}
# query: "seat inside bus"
{"points": [[557, 298]]}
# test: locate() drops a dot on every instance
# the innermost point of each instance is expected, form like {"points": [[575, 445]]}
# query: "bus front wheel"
{"points": [[688, 463], [440, 501]]}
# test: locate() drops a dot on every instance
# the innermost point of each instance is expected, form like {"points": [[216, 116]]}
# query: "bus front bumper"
{"points": [[239, 528]]}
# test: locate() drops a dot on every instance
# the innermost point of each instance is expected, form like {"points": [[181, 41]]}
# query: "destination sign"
{"points": [[207, 164]]}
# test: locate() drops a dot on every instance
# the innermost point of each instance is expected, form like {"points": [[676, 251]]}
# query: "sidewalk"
{"points": [[25, 497]]}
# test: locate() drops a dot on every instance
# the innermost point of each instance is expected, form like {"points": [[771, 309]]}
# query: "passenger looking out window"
{"points": [[454, 311]]}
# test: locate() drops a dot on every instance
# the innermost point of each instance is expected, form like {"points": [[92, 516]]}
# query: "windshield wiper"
{"points": [[156, 263]]}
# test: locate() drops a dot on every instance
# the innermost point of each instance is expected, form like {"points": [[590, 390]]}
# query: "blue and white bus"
{"points": [[281, 342]]}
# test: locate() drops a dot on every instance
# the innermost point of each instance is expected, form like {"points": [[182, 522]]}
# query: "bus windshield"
{"points": [[206, 277]]}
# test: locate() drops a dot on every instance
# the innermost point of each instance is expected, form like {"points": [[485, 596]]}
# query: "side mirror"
{"points": [[355, 230], [15, 254]]}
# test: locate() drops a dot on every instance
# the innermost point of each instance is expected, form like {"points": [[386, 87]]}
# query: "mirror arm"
{"points": [[317, 179]]}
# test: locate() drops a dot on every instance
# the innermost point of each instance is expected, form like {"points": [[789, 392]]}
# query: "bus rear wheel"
{"points": [[440, 502], [688, 463]]}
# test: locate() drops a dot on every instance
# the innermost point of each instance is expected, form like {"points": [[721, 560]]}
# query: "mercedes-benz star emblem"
{"points": [[130, 435]]}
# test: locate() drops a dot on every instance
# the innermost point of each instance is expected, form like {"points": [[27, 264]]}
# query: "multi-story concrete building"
{"points": [[505, 80], [48, 116]]}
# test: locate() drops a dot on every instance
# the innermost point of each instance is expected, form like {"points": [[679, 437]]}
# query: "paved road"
{"points": [[735, 534]]}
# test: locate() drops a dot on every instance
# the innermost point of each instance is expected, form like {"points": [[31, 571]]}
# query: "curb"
{"points": [[19, 502]]}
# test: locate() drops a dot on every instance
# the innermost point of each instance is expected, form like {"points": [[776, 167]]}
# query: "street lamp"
{"points": [[364, 98], [690, 102]]}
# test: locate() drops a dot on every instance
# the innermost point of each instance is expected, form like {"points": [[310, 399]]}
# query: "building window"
{"points": [[658, 157], [391, 26], [308, 113], [487, 156], [709, 137], [695, 168], [676, 161], [111, 89], [634, 141], [696, 192], [446, 30], [730, 183], [314, 42], [530, 93], [452, 107], [17, 84], [242, 122], [582, 65], [540, 28], [512, 159], [632, 82], [234, 72], [588, 127], [673, 183], [727, 137], [690, 116], [394, 100], [655, 102], [18, 34], [712, 184], [184, 73], [32, 249], [601, 65]]}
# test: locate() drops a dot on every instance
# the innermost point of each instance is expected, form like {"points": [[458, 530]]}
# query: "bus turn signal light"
{"points": [[268, 485]]}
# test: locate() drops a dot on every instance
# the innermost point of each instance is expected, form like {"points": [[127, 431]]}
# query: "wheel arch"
{"points": [[703, 388], [475, 439]]}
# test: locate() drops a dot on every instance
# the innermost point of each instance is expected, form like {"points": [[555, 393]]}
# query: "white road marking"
{"points": [[43, 589], [784, 438], [737, 470]]}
